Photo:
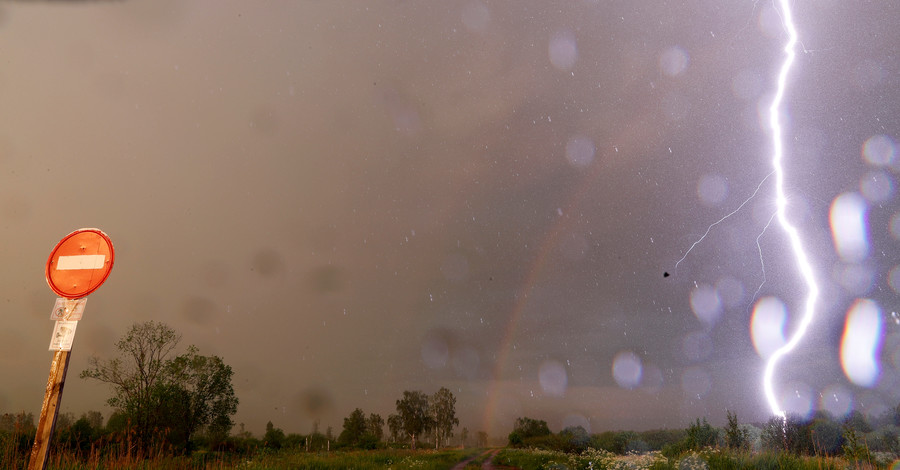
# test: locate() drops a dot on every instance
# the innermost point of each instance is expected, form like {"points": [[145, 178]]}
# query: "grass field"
{"points": [[381, 459], [284, 459], [712, 459]]}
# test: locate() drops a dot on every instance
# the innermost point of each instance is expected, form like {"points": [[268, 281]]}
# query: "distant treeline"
{"points": [[854, 436]]}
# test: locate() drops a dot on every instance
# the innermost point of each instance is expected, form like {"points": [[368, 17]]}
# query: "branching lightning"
{"points": [[708, 229], [781, 201]]}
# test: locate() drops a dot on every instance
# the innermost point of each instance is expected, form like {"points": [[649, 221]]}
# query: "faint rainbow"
{"points": [[546, 247]]}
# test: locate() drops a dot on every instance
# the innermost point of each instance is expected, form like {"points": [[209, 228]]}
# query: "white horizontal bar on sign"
{"points": [[80, 262]]}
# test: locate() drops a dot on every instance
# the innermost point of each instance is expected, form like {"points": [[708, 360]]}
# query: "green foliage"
{"points": [[482, 438], [395, 425], [274, 437], [354, 429], [162, 400], [790, 434], [656, 439], [443, 414], [414, 414], [574, 439], [135, 374], [359, 460], [526, 429], [375, 426], [858, 422], [79, 437], [203, 386], [700, 435], [827, 436], [735, 436], [854, 447]]}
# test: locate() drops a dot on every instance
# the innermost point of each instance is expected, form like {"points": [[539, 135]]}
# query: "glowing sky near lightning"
{"points": [[346, 200]]}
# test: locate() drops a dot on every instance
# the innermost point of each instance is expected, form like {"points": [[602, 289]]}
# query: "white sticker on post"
{"points": [[68, 309], [63, 336], [65, 263]]}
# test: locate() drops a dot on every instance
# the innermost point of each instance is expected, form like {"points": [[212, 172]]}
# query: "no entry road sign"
{"points": [[80, 262]]}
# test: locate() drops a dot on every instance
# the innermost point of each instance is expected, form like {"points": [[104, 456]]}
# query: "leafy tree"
{"points": [[700, 435], [443, 414], [94, 419], [527, 428], [19, 423], [64, 421], [159, 398], [80, 436], [482, 439], [414, 414], [575, 439], [735, 436], [858, 422], [354, 429], [464, 436], [135, 374], [855, 448], [395, 425], [375, 426], [203, 384], [791, 434], [827, 436], [274, 437]]}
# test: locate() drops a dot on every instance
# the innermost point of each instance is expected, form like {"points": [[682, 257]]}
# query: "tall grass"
{"points": [[363, 460], [15, 450], [709, 459]]}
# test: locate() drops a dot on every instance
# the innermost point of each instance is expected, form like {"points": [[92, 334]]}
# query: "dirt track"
{"points": [[488, 462]]}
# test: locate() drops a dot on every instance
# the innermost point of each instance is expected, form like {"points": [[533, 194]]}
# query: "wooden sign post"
{"points": [[49, 410], [78, 264]]}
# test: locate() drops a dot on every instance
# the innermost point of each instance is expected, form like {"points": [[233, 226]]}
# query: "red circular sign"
{"points": [[80, 262]]}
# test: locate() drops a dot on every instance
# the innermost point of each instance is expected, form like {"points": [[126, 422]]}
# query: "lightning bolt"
{"points": [[781, 202]]}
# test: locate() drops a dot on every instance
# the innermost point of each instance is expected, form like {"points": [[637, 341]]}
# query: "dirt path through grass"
{"points": [[487, 461]]}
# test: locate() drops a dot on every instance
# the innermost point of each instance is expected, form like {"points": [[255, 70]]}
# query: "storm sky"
{"points": [[346, 200]]}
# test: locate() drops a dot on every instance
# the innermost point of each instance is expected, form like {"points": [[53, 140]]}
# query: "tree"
{"points": [[827, 436], [375, 426], [858, 422], [464, 436], [791, 434], [135, 374], [482, 439], [576, 439], [94, 419], [443, 415], [395, 425], [414, 414], [700, 435], [20, 423], [203, 385], [79, 436], [735, 436], [161, 398], [354, 428], [274, 437], [527, 428]]}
